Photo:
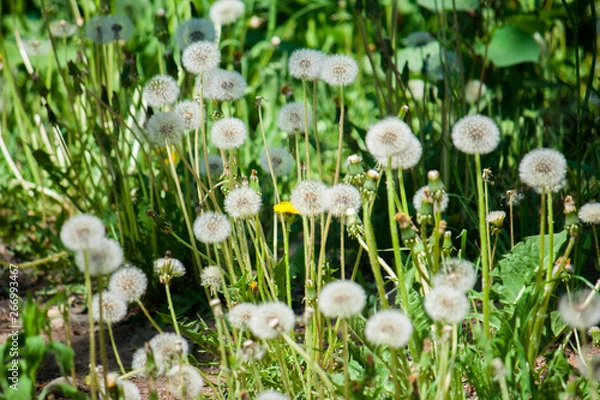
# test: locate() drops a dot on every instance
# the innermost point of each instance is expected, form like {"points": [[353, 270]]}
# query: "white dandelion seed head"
{"points": [[417, 88], [389, 328], [456, 273], [130, 390], [240, 315], [308, 197], [408, 157], [190, 113], [418, 39], [165, 127], [474, 90], [82, 231], [129, 283], [215, 165], [187, 376], [105, 257], [420, 195], [139, 360], [118, 27], [446, 304], [160, 90], [201, 57], [62, 28], [226, 12], [223, 85], [95, 29], [340, 198], [243, 202], [581, 310], [342, 299], [281, 161], [228, 133], [167, 348], [195, 30], [590, 213], [543, 168], [271, 318], [291, 118], [113, 307], [339, 70], [212, 227], [495, 217], [169, 267], [306, 64], [475, 134], [388, 137], [37, 47], [271, 395], [211, 277]]}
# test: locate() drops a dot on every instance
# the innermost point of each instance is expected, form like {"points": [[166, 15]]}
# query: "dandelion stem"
{"points": [[172, 309], [316, 128], [147, 314], [338, 163], [306, 142], [550, 265], [114, 347], [372, 251], [88, 289], [483, 248]]}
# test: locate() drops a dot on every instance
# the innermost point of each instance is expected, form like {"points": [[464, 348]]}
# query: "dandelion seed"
{"points": [[82, 232], [160, 90], [187, 376], [251, 350], [271, 395], [165, 127], [129, 283], [306, 64], [139, 360], [215, 165], [446, 304], [226, 12], [129, 389], [339, 70], [113, 307], [95, 29], [211, 277], [590, 213], [167, 348], [342, 299], [340, 198], [389, 328], [291, 118], [118, 27], [439, 65], [212, 227], [103, 259], [243, 202], [474, 90], [388, 137], [240, 315], [271, 318], [418, 39], [223, 85], [195, 30], [168, 268], [476, 134], [407, 158], [543, 168], [36, 47], [190, 113], [281, 161], [581, 310], [228, 133], [308, 197], [456, 273], [62, 29], [496, 218], [201, 57], [420, 195]]}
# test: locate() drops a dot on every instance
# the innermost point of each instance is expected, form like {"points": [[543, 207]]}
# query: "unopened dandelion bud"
{"points": [[425, 212], [370, 186], [406, 227], [447, 247], [442, 227], [594, 332], [496, 218], [354, 224], [434, 183], [161, 27]]}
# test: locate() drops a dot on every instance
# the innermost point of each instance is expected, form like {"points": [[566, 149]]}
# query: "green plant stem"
{"points": [[346, 364], [268, 156], [596, 244], [171, 308], [306, 141], [316, 129], [396, 373], [372, 251], [443, 367], [542, 251], [484, 248], [284, 368], [512, 223], [114, 347], [550, 264], [338, 163], [88, 290], [101, 336], [147, 314]]}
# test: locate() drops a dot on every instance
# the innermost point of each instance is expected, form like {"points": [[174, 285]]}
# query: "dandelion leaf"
{"points": [[511, 46], [461, 5]]}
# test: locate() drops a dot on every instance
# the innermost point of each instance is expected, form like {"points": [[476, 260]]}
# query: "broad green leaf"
{"points": [[511, 46], [461, 5], [64, 356]]}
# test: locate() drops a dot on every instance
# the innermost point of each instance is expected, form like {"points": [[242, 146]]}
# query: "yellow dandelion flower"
{"points": [[285, 208]]}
